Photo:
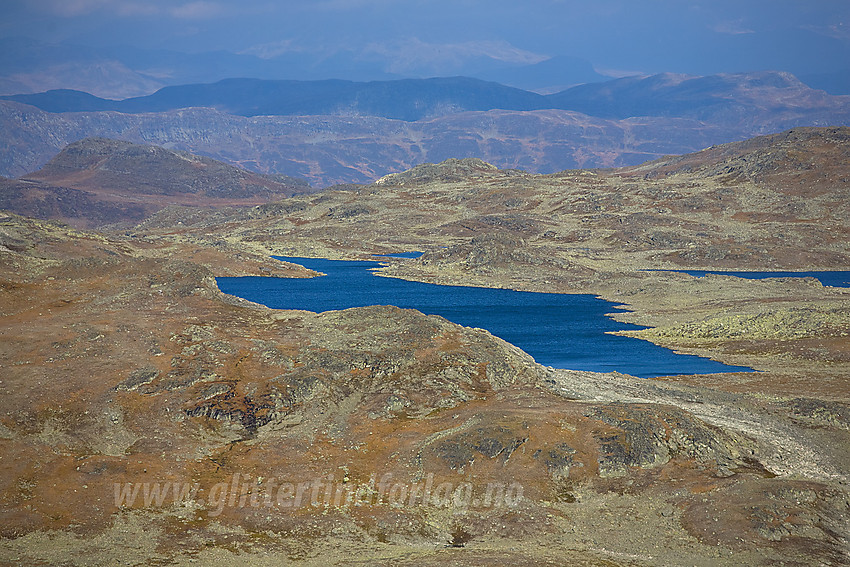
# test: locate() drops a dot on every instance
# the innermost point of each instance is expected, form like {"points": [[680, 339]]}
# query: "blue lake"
{"points": [[833, 278], [559, 330]]}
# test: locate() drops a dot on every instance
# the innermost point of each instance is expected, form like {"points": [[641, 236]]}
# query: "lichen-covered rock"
{"points": [[450, 170], [650, 435], [493, 442]]}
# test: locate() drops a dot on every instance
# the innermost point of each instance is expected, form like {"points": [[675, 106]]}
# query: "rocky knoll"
{"points": [[799, 159], [125, 364], [115, 165], [99, 181]]}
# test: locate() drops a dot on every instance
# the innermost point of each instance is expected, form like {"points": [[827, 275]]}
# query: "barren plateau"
{"points": [[124, 363]]}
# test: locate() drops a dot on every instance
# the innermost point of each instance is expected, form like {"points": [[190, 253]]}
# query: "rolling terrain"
{"points": [[124, 363], [772, 203]]}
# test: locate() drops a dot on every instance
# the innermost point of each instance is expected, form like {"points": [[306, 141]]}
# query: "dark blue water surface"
{"points": [[828, 278], [559, 330]]}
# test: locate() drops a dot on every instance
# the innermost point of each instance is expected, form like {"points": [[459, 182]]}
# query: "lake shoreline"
{"points": [[667, 299], [567, 331]]}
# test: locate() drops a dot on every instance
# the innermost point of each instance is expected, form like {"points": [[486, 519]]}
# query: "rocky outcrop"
{"points": [[649, 436], [452, 169], [781, 324]]}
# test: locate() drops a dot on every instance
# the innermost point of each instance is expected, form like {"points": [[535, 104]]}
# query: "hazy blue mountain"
{"points": [[64, 100], [20, 54], [717, 97], [724, 98], [31, 66], [343, 149], [341, 131], [118, 72], [406, 99], [28, 66]]}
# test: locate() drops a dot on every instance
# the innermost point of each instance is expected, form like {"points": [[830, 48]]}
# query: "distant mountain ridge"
{"points": [[728, 96], [32, 66], [405, 99], [641, 119], [670, 94]]}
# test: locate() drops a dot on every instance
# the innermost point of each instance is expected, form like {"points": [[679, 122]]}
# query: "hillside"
{"points": [[713, 208], [802, 159], [99, 181], [666, 116], [78, 208], [30, 66]]}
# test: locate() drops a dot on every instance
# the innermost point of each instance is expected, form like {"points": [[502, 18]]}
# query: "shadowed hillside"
{"points": [[99, 181]]}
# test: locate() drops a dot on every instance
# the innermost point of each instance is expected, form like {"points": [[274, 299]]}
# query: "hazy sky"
{"points": [[703, 36]]}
